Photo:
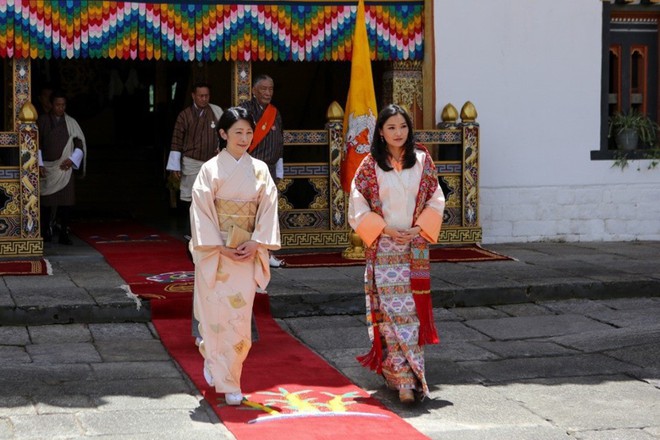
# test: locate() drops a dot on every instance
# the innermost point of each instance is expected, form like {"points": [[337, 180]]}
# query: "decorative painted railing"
{"points": [[313, 205]]}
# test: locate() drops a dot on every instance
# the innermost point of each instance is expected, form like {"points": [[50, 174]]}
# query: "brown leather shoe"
{"points": [[406, 396]]}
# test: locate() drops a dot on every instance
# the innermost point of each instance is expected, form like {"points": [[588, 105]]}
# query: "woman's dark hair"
{"points": [[379, 146], [230, 117]]}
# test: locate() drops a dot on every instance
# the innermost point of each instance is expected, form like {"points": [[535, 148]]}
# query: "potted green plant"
{"points": [[628, 128]]}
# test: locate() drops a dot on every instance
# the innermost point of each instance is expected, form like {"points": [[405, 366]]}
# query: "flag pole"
{"points": [[359, 117]]}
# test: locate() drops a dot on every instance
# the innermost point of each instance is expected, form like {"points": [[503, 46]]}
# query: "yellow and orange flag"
{"points": [[361, 111]]}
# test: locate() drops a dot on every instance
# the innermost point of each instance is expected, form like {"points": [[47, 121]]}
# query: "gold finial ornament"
{"points": [[468, 112], [449, 114], [335, 112], [28, 113], [356, 249]]}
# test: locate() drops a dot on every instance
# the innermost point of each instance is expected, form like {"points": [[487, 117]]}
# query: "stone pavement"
{"points": [[563, 343]]}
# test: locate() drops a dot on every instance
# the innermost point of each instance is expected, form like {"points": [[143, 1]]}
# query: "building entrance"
{"points": [[127, 111]]}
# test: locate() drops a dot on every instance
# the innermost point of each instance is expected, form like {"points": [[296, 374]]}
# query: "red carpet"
{"points": [[292, 392], [449, 254], [155, 265], [24, 267]]}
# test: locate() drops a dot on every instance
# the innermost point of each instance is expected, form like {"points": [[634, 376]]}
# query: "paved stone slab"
{"points": [[6, 299], [525, 327], [631, 303], [451, 332], [14, 355], [575, 306], [470, 313], [613, 338], [647, 355], [135, 370], [565, 366], [486, 294], [124, 350], [440, 372], [628, 318], [68, 353], [523, 309], [44, 426], [461, 407], [36, 375], [141, 403], [614, 434], [137, 422], [330, 323], [52, 297], [58, 334], [347, 337], [14, 335], [6, 429], [499, 433], [342, 357], [112, 295], [458, 351], [26, 284], [114, 331], [13, 404], [650, 375], [443, 314], [153, 388], [613, 401], [654, 430], [521, 349], [64, 403]]}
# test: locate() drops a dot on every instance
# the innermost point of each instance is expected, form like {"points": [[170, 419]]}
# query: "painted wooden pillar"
{"points": [[19, 180], [470, 165], [241, 85], [338, 200], [403, 85]]}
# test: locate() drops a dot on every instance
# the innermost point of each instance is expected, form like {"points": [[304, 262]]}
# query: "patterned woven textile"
{"points": [[403, 366], [231, 212], [205, 30]]}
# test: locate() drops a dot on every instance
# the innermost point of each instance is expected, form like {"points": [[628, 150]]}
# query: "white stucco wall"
{"points": [[533, 71]]}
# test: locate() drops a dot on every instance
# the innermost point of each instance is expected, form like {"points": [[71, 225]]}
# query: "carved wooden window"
{"points": [[631, 53]]}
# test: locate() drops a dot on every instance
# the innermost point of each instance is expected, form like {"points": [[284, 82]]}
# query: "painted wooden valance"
{"points": [[201, 30]]}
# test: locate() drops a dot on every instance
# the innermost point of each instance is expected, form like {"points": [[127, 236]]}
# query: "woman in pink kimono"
{"points": [[396, 207], [232, 191]]}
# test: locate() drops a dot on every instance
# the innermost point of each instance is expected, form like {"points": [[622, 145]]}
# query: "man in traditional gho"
{"points": [[232, 191], [194, 140], [396, 207], [268, 141], [62, 149]]}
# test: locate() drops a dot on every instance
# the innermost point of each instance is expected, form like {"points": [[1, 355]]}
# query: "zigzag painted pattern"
{"points": [[201, 31]]}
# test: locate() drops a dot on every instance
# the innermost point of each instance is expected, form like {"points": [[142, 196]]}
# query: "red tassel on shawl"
{"points": [[374, 359], [427, 332]]}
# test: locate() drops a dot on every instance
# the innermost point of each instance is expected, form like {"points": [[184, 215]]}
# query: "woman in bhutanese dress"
{"points": [[231, 189], [396, 207]]}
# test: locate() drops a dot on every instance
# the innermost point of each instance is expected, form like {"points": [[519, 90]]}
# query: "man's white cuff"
{"points": [[76, 157], [279, 168], [40, 160], [174, 161]]}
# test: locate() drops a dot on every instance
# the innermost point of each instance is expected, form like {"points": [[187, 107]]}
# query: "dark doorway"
{"points": [[127, 110]]}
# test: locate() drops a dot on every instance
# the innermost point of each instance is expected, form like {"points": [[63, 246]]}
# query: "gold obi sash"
{"points": [[239, 213]]}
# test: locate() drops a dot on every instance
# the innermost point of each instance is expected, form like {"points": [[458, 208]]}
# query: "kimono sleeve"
{"points": [[206, 240], [267, 223]]}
